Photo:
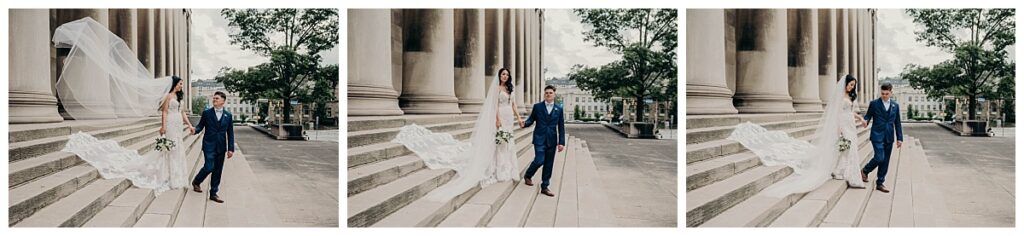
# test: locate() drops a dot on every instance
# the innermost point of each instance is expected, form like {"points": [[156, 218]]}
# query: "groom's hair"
{"points": [[221, 94], [887, 86], [551, 87]]}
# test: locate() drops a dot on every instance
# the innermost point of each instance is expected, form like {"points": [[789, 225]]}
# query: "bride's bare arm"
{"points": [[163, 114]]}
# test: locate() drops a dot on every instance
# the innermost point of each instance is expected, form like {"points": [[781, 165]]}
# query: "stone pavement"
{"points": [[300, 178], [975, 174], [639, 175]]}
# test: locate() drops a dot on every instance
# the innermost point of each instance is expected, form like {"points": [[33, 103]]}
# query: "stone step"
{"points": [[25, 132], [709, 201], [163, 210], [369, 207], [512, 209], [705, 121], [722, 147], [365, 177], [38, 147], [762, 209], [129, 207], [544, 208], [77, 208], [849, 209], [382, 151], [426, 212], [28, 169], [700, 135], [361, 123], [483, 205], [368, 137], [596, 209]]}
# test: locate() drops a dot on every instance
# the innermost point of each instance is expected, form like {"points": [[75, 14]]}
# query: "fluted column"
{"points": [[509, 49], [98, 100], [160, 42], [842, 43], [397, 49], [528, 77], [169, 42], [428, 84], [761, 76], [469, 59], [854, 52], [369, 64], [172, 56], [706, 89], [535, 46], [540, 46], [521, 82], [145, 36], [30, 91], [826, 54], [862, 56], [803, 59], [494, 45]]}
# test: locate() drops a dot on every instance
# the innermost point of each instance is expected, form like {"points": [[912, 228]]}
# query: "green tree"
{"points": [[292, 39], [646, 39], [198, 105], [978, 39], [576, 112]]}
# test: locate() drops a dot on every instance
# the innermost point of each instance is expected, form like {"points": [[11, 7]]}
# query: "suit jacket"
{"points": [[215, 140], [886, 122], [550, 127]]}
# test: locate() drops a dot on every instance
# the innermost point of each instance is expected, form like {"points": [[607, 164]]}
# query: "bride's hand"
{"points": [[497, 124], [163, 130]]}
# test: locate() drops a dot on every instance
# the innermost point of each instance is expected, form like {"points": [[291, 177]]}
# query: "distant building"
{"points": [[574, 98], [912, 99], [206, 88]]}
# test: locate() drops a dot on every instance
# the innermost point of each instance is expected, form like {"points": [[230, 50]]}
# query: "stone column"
{"points": [[706, 89], [396, 49], [101, 106], [842, 43], [30, 91], [369, 64], [854, 50], [124, 24], [535, 54], [494, 19], [761, 76], [826, 54], [428, 72], [528, 77], [861, 57], [169, 42], [160, 42], [540, 47], [803, 59], [469, 59], [730, 49], [521, 82], [145, 34], [509, 42]]}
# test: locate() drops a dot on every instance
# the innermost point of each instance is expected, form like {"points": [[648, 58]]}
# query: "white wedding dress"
{"points": [[102, 78], [477, 161], [157, 170], [812, 162]]}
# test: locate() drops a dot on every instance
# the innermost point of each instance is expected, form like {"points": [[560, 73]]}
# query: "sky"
{"points": [[897, 46], [212, 48], [564, 45]]}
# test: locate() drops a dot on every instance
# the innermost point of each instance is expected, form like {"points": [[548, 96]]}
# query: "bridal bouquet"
{"points": [[502, 137], [844, 144], [164, 144]]}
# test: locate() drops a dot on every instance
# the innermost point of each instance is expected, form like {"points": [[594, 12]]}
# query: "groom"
{"points": [[548, 116], [219, 139], [886, 114]]}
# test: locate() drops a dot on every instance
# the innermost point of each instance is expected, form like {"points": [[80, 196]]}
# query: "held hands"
{"points": [[522, 124]]}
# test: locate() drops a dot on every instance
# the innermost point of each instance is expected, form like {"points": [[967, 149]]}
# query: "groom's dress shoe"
{"points": [[216, 198], [195, 187], [863, 176], [529, 182], [882, 188], [547, 192]]}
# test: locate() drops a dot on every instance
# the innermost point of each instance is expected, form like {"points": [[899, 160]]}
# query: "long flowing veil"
{"points": [[812, 162], [102, 78], [470, 159]]}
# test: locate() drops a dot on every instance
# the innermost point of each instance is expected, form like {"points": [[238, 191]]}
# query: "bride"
{"points": [[477, 161], [102, 78], [812, 162]]}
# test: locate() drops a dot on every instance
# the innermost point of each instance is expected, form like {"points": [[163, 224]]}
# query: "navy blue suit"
{"points": [[219, 139], [549, 133], [886, 127]]}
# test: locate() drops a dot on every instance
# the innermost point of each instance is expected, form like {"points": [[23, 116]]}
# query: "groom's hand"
{"points": [[899, 144], [230, 154], [561, 148]]}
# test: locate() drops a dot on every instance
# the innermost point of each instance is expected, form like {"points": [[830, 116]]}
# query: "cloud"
{"points": [[564, 45], [897, 45]]}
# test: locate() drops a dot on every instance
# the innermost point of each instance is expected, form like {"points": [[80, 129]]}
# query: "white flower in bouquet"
{"points": [[844, 144], [502, 137], [164, 144]]}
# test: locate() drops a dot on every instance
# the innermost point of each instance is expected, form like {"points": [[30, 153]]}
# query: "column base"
{"points": [[758, 103], [807, 105], [366, 100], [27, 107], [429, 104], [708, 100], [470, 106]]}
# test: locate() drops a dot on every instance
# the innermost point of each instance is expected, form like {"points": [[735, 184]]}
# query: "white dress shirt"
{"points": [[550, 106], [886, 103], [218, 112]]}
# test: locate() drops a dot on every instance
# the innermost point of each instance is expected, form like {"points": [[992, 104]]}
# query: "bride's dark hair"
{"points": [[508, 83], [174, 83], [852, 92]]}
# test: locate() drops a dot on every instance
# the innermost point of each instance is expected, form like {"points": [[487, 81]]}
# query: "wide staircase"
{"points": [[724, 180], [51, 188], [387, 182]]}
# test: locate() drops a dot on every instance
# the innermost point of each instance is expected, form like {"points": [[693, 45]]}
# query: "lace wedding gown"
{"points": [[812, 162], [477, 161], [157, 170]]}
